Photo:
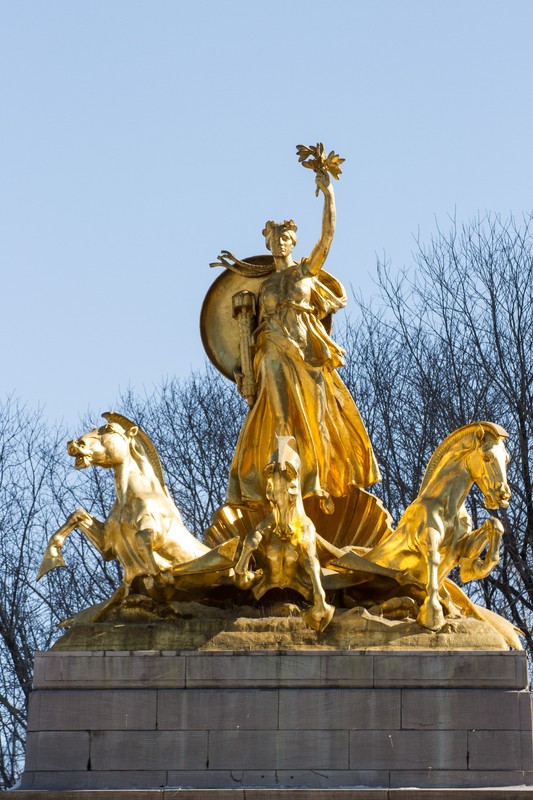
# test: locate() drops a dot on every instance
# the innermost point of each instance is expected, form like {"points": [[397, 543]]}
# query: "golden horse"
{"points": [[144, 529], [435, 533], [285, 542]]}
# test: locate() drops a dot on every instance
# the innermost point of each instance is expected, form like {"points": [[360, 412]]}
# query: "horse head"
{"points": [[107, 446], [487, 461], [113, 443], [282, 475]]}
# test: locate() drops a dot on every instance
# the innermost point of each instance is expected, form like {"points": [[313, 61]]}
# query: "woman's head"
{"points": [[280, 234]]}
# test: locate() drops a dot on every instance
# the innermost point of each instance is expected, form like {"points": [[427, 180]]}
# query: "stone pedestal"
{"points": [[279, 720]]}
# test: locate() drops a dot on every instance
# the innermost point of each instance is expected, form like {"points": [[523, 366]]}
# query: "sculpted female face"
{"points": [[281, 243], [280, 240]]}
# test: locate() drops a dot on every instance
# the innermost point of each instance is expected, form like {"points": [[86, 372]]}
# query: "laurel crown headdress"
{"points": [[286, 225]]}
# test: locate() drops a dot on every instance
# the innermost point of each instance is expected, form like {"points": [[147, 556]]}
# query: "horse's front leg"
{"points": [[87, 524], [321, 613], [471, 566], [244, 577], [431, 614]]}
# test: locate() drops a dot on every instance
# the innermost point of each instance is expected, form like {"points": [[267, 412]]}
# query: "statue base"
{"points": [[200, 627], [278, 723]]}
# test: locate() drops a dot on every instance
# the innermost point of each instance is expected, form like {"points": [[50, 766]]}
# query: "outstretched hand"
{"points": [[323, 181]]}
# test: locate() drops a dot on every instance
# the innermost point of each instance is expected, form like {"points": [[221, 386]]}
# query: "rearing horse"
{"points": [[143, 529], [435, 532]]}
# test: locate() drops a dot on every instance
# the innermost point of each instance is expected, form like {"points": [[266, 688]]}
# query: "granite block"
{"points": [[231, 779], [525, 704], [304, 669], [473, 779], [278, 669], [122, 779], [230, 671], [90, 794], [92, 709], [109, 670], [495, 750], [459, 709], [408, 750], [459, 669], [526, 749], [57, 750], [333, 670], [211, 709], [339, 709], [319, 750], [50, 666], [154, 750]]}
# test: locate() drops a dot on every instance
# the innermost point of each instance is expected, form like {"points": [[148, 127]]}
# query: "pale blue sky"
{"points": [[137, 139]]}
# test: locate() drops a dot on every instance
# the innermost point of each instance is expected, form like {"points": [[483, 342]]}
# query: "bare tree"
{"points": [[35, 497], [28, 458]]}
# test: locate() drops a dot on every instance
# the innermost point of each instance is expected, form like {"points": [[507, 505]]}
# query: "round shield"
{"points": [[218, 327]]}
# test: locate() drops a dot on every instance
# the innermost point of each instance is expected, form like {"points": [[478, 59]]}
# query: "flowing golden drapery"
{"points": [[301, 394]]}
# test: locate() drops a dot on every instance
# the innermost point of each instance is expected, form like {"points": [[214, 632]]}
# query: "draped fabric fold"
{"points": [[301, 394]]}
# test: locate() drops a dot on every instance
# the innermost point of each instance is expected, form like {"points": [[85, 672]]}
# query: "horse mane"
{"points": [[451, 440], [148, 446]]}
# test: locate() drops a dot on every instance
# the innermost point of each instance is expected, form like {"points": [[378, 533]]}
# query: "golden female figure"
{"points": [[299, 392]]}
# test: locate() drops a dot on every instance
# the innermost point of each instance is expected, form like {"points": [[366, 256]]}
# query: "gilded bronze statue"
{"points": [[144, 529], [434, 534], [284, 543], [297, 517], [299, 391]]}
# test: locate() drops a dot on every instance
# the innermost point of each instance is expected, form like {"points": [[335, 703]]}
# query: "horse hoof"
{"points": [[318, 618], [431, 617], [49, 563]]}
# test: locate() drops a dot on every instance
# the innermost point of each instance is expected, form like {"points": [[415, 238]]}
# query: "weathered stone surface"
{"points": [[408, 750], [272, 750], [339, 709], [349, 629], [160, 750], [307, 721], [209, 709], [92, 709], [282, 669], [57, 750], [279, 669], [339, 671], [231, 670], [504, 793], [458, 709], [110, 669], [525, 703], [452, 669], [280, 793], [497, 750], [121, 779], [473, 779], [293, 779], [82, 794]]}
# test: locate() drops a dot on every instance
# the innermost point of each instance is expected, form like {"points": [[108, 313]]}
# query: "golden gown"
{"points": [[301, 394]]}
